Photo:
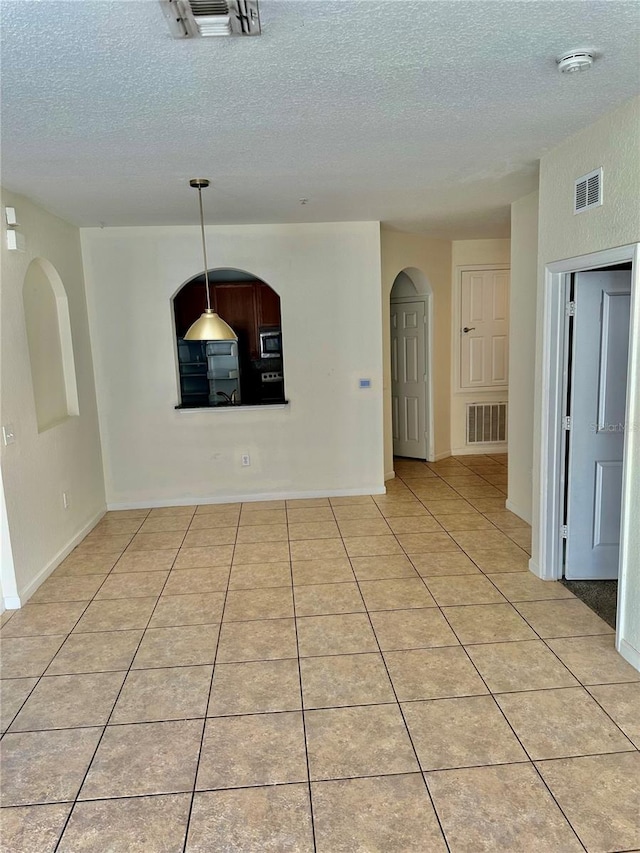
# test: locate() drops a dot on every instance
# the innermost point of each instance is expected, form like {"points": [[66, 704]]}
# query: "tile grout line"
{"points": [[460, 496], [526, 752], [470, 695], [559, 659], [399, 706], [298, 657], [87, 602], [507, 720], [213, 672], [302, 704], [104, 728], [523, 762]]}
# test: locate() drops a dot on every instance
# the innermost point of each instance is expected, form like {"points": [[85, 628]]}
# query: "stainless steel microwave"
{"points": [[270, 343]]}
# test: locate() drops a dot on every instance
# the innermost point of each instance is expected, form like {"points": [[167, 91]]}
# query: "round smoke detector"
{"points": [[575, 60]]}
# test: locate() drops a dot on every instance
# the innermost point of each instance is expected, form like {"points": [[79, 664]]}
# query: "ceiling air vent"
{"points": [[205, 18], [588, 191]]}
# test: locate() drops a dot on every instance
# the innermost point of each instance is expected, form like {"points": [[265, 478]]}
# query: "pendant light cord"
{"points": [[204, 250]]}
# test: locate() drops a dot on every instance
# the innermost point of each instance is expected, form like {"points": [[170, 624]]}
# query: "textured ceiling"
{"points": [[426, 115]]}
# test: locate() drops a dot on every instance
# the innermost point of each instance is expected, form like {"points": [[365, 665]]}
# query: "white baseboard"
{"points": [[630, 654], [479, 449], [537, 571], [516, 511], [14, 602], [438, 456], [267, 496], [11, 602], [535, 568]]}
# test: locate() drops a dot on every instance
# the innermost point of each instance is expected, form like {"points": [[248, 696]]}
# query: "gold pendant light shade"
{"points": [[209, 326]]}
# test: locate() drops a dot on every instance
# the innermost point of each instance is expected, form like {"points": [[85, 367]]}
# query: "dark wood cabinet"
{"points": [[268, 306], [236, 304], [188, 305], [246, 306]]}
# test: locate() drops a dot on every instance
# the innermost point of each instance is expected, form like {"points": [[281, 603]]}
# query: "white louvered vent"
{"points": [[588, 191], [486, 423], [205, 18]]}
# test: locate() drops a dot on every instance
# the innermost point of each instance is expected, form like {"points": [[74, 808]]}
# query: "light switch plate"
{"points": [[8, 435], [16, 241]]}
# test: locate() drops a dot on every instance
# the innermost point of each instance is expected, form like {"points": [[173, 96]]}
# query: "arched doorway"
{"points": [[411, 397]]}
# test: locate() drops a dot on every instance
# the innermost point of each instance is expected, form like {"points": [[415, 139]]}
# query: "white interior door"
{"points": [[408, 379], [596, 438], [484, 328]]}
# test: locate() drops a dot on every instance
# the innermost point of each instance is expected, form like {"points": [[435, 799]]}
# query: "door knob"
{"points": [[467, 329]]}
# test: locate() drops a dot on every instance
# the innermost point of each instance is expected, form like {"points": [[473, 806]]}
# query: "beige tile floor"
{"points": [[354, 674]]}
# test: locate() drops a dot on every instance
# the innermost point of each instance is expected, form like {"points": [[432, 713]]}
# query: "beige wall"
{"points": [[465, 253], [613, 142], [37, 468], [522, 335], [433, 259], [327, 440]]}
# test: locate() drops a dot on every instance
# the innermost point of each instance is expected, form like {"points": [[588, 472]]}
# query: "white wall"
{"points": [[328, 440], [433, 259], [38, 467], [612, 142], [9, 598], [466, 253], [522, 336]]}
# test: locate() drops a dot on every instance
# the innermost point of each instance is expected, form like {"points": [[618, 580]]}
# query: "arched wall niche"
{"points": [[48, 326]]}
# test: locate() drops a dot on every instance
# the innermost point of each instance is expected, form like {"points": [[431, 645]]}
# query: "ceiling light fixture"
{"points": [[209, 326], [575, 60]]}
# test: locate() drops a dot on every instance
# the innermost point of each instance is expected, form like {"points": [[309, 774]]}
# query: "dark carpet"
{"points": [[600, 596]]}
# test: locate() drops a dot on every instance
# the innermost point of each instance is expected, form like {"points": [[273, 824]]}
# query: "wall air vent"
{"points": [[588, 191], [486, 423], [205, 18]]}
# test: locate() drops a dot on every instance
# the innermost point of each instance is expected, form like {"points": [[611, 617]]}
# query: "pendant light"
{"points": [[209, 326]]}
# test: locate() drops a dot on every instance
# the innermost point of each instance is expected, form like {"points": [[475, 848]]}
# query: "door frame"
{"points": [[427, 299], [553, 392]]}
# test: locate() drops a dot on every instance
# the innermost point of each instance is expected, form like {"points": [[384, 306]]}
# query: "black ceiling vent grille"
{"points": [[206, 18], [588, 191]]}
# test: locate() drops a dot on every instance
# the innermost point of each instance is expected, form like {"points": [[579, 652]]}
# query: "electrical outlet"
{"points": [[245, 459], [66, 501]]}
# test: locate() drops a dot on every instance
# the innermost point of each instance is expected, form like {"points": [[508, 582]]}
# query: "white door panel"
{"points": [[499, 359], [412, 418], [500, 296], [484, 313], [608, 493], [410, 358], [408, 387], [614, 349], [596, 439]]}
